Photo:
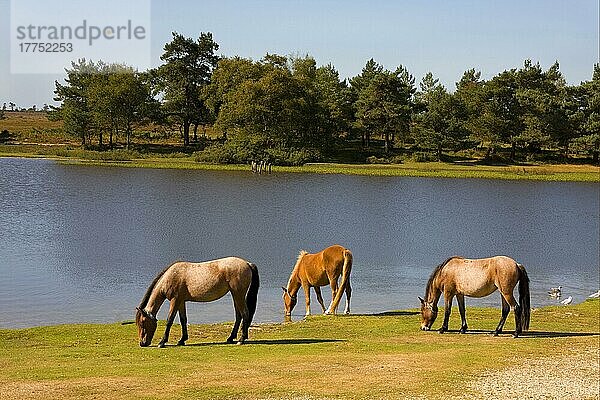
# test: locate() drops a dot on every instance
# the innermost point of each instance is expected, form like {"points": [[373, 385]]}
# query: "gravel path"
{"points": [[569, 375]]}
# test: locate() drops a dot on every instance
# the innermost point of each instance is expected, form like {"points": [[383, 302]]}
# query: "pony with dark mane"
{"points": [[201, 282], [316, 270], [462, 277]]}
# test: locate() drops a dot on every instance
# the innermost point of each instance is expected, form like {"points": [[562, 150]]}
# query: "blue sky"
{"points": [[444, 37]]}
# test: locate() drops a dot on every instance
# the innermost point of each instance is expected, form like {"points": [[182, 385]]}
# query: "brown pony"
{"points": [[316, 270], [203, 282], [462, 277]]}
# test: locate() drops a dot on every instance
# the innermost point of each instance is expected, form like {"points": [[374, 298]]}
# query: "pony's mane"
{"points": [[300, 255], [434, 274], [295, 269], [299, 259], [151, 287]]}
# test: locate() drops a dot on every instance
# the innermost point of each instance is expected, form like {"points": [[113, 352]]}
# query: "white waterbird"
{"points": [[567, 301]]}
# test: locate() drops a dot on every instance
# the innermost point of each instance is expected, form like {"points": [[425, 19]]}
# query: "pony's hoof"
{"points": [[442, 330], [181, 343], [230, 340], [515, 335], [161, 345], [240, 343]]}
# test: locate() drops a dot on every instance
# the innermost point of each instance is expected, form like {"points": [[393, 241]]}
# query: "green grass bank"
{"points": [[356, 357]]}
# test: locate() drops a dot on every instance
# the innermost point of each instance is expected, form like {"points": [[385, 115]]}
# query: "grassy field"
{"points": [[33, 127], [360, 356]]}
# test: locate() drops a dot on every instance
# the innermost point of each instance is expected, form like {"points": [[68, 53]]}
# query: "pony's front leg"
{"points": [[306, 288], [320, 298], [447, 311], [183, 321], [170, 319], [461, 308]]}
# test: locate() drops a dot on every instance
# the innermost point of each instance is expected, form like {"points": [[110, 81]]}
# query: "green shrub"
{"points": [[377, 160], [423, 156], [215, 154], [293, 157], [399, 159]]}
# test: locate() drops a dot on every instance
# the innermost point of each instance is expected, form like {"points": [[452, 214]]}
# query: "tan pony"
{"points": [[316, 270], [462, 277], [202, 282]]}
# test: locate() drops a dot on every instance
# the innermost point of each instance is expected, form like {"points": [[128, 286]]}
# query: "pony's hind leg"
{"points": [[320, 298], [348, 295], [236, 327], [505, 311], [241, 311], [461, 308], [183, 321], [334, 288], [510, 299]]}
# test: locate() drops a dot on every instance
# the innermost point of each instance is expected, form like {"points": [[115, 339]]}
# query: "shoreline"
{"points": [[300, 319], [538, 172]]}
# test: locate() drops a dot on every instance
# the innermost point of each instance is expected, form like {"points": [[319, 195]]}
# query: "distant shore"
{"points": [[533, 172]]}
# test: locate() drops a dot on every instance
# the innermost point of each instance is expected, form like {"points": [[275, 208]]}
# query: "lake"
{"points": [[82, 243]]}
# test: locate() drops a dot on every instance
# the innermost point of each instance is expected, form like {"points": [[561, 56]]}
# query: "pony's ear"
{"points": [[284, 289], [422, 301]]}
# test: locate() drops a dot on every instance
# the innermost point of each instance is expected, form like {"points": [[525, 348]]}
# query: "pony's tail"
{"points": [[524, 298], [346, 268], [252, 295]]}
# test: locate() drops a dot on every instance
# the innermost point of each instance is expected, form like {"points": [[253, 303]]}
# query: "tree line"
{"points": [[288, 110]]}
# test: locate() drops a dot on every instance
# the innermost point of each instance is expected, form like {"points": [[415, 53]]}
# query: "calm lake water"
{"points": [[81, 244]]}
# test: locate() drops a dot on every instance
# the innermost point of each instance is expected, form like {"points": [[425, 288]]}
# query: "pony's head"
{"points": [[429, 312], [146, 324], [289, 301]]}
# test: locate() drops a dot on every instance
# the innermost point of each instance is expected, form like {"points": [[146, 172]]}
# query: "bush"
{"points": [[377, 160], [423, 156], [109, 155], [238, 152], [292, 157], [5, 136], [399, 159], [215, 154]]}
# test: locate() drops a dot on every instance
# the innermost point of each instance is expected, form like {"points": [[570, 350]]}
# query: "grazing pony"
{"points": [[462, 277], [203, 282], [316, 270]]}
